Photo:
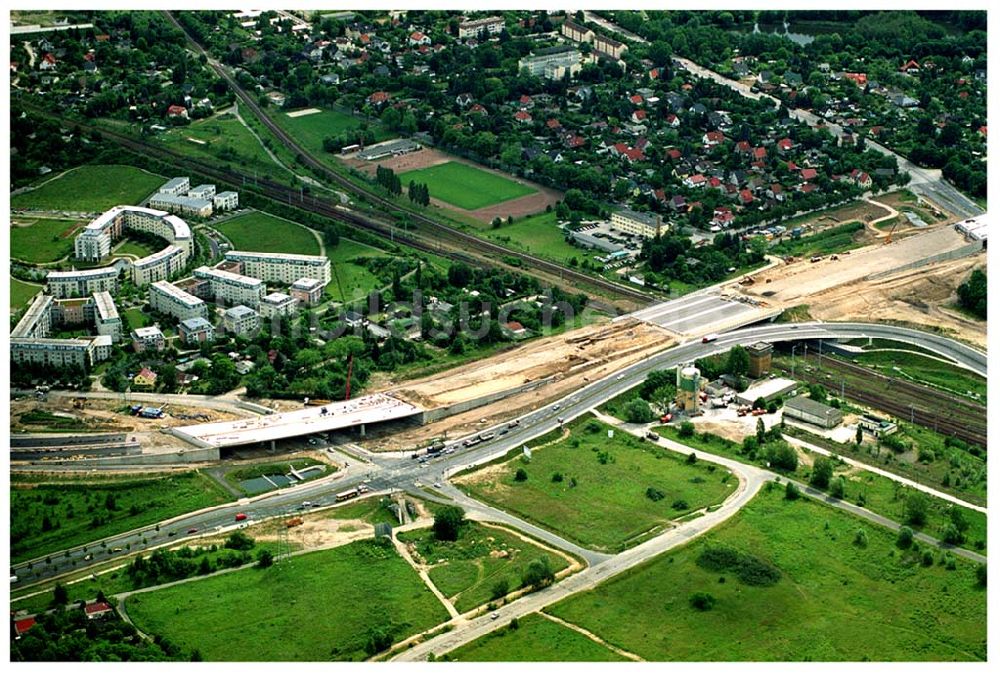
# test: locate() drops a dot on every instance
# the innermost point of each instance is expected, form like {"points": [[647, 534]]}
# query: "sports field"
{"points": [[262, 232], [311, 129], [351, 280], [90, 188], [319, 606], [535, 639], [42, 240], [603, 493], [21, 293], [465, 186], [835, 599]]}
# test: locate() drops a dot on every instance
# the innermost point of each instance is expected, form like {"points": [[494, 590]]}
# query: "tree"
{"points": [[821, 474], [738, 361], [539, 574], [500, 589], [981, 575], [521, 475], [761, 431], [686, 429], [791, 491], [861, 538], [60, 597], [905, 538], [859, 435], [702, 601], [265, 559], [781, 455], [916, 509], [638, 411], [839, 488], [448, 521], [239, 541]]}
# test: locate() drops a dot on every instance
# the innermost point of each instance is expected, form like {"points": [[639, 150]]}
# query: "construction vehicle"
{"points": [[888, 238], [294, 522], [746, 281], [815, 259]]}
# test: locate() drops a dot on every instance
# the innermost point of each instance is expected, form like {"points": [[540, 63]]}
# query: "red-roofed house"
{"points": [[759, 153], [516, 329], [638, 116], [776, 192], [860, 79], [713, 138], [634, 155], [48, 63], [523, 116], [552, 123], [96, 610], [525, 101], [377, 98], [636, 99], [714, 182], [418, 38], [673, 154], [673, 120], [478, 109], [742, 146], [808, 174], [982, 130], [807, 187], [695, 181], [575, 141], [654, 73], [785, 145], [145, 377], [177, 112], [910, 66], [746, 197], [22, 625]]}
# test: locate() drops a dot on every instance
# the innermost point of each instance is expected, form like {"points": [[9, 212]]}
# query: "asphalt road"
{"points": [[399, 472]]}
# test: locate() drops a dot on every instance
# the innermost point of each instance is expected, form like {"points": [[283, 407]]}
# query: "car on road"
{"points": [[559, 420], [619, 377], [495, 615], [121, 549], [240, 516], [708, 338], [306, 504], [437, 485], [555, 407], [192, 530]]}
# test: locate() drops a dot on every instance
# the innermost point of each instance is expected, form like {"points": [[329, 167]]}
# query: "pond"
{"points": [[261, 484], [783, 30]]}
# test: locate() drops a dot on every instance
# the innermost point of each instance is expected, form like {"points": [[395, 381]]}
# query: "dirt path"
{"points": [[421, 570], [589, 635]]}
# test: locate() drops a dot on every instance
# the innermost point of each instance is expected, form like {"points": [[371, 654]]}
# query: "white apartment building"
{"points": [[232, 288], [77, 283], [205, 191], [148, 338], [53, 352], [171, 300], [181, 204], [176, 186], [96, 240], [552, 58], [159, 266], [277, 304], [472, 28], [241, 321], [226, 200], [286, 268], [106, 317], [307, 290], [37, 321]]}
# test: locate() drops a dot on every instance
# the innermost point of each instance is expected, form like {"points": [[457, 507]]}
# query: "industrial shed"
{"points": [[769, 390], [811, 411]]}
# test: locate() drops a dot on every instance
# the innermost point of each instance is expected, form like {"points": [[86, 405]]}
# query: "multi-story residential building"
{"points": [[195, 330], [159, 266], [286, 268], [546, 62], [54, 352], [609, 47], [473, 28], [576, 32], [95, 242], [307, 291], [226, 200], [176, 186], [228, 289], [205, 191], [241, 321], [148, 338], [636, 223], [106, 318], [36, 321], [78, 283], [171, 300], [277, 304], [181, 204]]}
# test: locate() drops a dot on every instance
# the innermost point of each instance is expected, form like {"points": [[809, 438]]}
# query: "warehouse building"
{"points": [[307, 291], [78, 283], [810, 411], [241, 321], [226, 288], [389, 149], [169, 299], [768, 390], [286, 268]]}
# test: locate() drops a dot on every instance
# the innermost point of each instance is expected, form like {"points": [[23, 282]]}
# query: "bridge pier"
{"points": [[362, 429]]}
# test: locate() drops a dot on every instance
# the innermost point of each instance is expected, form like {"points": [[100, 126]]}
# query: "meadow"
{"points": [[262, 232], [535, 639], [466, 186], [90, 188], [42, 240]]}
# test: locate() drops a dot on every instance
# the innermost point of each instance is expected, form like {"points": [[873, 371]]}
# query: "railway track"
{"points": [[949, 415], [443, 238]]}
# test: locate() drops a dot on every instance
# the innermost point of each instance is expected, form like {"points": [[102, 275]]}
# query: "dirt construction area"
{"points": [[569, 360], [429, 157]]}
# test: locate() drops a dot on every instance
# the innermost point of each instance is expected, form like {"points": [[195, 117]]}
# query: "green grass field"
{"points": [[466, 186], [537, 235], [830, 241], [136, 318], [469, 571], [42, 240], [56, 515], [310, 130], [262, 232], [602, 505], [835, 600], [21, 293], [139, 249], [536, 639], [351, 280], [90, 188], [225, 139], [926, 370], [315, 607]]}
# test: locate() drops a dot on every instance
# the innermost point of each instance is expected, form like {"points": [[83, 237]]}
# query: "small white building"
{"points": [[241, 321], [148, 338], [227, 200], [277, 304]]}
